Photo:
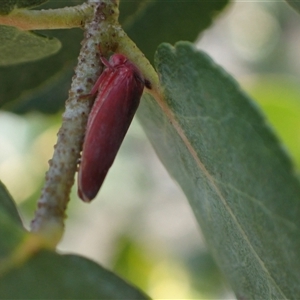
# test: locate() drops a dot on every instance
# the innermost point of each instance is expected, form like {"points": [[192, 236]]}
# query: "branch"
{"points": [[103, 30], [61, 18], [50, 214]]}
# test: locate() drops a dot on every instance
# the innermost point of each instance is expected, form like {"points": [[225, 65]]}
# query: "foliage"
{"points": [[211, 137]]}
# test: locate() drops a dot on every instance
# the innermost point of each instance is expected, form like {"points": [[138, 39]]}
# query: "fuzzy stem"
{"points": [[50, 214], [60, 18]]}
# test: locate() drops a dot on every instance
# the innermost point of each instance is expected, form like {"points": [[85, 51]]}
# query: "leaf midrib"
{"points": [[168, 112]]}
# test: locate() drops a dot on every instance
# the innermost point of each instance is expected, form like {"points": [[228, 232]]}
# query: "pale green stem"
{"points": [[61, 18], [127, 47]]}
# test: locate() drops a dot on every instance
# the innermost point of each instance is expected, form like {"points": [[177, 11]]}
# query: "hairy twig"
{"points": [[50, 214]]}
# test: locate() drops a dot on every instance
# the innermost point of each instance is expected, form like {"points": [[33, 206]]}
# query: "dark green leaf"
{"points": [[11, 235], [18, 46], [279, 96], [295, 4], [48, 275], [47, 98], [205, 275], [239, 182], [7, 205], [6, 6], [11, 229], [150, 23], [22, 85]]}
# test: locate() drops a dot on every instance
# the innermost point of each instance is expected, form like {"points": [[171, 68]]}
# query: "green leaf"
{"points": [[206, 276], [7, 205], [239, 182], [279, 98], [149, 23], [6, 6], [295, 4], [11, 228], [22, 46], [21, 93], [48, 275], [11, 235], [21, 85], [46, 98]]}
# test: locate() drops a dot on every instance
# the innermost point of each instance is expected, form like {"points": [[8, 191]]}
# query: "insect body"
{"points": [[119, 89]]}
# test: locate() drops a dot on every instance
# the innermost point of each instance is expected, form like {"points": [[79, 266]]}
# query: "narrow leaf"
{"points": [[238, 180], [295, 4]]}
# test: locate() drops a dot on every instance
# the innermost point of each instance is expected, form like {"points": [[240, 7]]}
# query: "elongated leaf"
{"points": [[6, 6], [295, 4], [239, 182], [18, 46], [51, 276], [279, 98]]}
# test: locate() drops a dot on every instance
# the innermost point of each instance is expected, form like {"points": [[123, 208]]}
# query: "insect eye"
{"points": [[118, 59]]}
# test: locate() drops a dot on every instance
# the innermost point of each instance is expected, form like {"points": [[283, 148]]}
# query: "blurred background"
{"points": [[141, 225]]}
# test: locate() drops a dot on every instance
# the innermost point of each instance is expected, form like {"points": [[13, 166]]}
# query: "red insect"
{"points": [[119, 89]]}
